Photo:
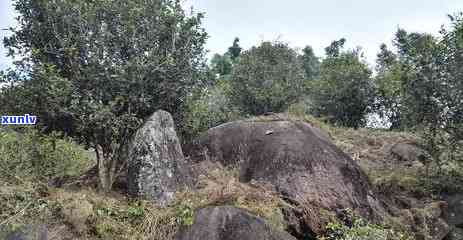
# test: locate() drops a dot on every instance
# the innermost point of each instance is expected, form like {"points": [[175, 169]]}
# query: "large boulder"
{"points": [[302, 163], [154, 157], [229, 223]]}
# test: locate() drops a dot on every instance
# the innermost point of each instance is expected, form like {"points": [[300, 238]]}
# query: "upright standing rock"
{"points": [[154, 154]]}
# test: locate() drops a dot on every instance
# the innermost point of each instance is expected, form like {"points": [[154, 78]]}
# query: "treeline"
{"points": [[417, 86], [94, 70]]}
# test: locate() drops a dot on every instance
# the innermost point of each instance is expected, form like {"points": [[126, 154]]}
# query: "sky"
{"points": [[365, 23], [7, 19]]}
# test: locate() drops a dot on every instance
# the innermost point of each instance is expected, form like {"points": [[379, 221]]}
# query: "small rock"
{"points": [[409, 152]]}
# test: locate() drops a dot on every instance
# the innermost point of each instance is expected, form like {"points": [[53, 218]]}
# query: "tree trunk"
{"points": [[107, 164]]}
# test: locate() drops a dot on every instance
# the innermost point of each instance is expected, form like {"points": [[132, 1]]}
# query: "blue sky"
{"points": [[365, 23]]}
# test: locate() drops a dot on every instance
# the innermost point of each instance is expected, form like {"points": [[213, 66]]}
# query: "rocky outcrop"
{"points": [[229, 223], [154, 156], [310, 172], [426, 222]]}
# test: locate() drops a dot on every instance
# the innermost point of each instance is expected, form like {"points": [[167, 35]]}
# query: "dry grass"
{"points": [[221, 187], [86, 214], [370, 148]]}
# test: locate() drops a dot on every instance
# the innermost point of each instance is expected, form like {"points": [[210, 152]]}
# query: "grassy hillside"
{"points": [[30, 161]]}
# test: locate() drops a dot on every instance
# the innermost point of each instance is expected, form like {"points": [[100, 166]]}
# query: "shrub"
{"points": [[33, 156], [447, 178], [392, 181], [267, 78], [359, 229], [207, 109], [345, 92]]}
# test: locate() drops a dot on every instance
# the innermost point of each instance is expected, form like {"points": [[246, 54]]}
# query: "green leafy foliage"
{"points": [[104, 66], [268, 78], [345, 91], [421, 58], [136, 211], [208, 108], [419, 90], [453, 87], [443, 175], [221, 64], [32, 156], [390, 89], [311, 63], [235, 50], [48, 96], [359, 229], [185, 214]]}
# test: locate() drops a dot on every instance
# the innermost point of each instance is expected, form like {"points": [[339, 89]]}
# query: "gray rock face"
{"points": [[154, 155], [229, 223]]}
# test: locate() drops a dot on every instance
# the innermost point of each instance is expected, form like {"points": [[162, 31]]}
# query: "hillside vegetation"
{"points": [[94, 71], [79, 211]]}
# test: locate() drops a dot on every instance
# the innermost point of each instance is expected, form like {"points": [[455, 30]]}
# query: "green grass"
{"points": [[31, 156]]}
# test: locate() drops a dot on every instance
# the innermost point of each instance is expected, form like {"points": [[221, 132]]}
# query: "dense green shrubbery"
{"points": [[344, 93], [432, 181], [121, 61], [32, 156], [444, 168], [361, 230], [267, 78], [445, 179], [209, 108]]}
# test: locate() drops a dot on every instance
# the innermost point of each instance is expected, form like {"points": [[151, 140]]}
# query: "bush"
{"points": [[208, 109], [33, 156], [444, 168], [359, 229], [447, 178], [345, 92], [267, 78], [432, 181]]}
